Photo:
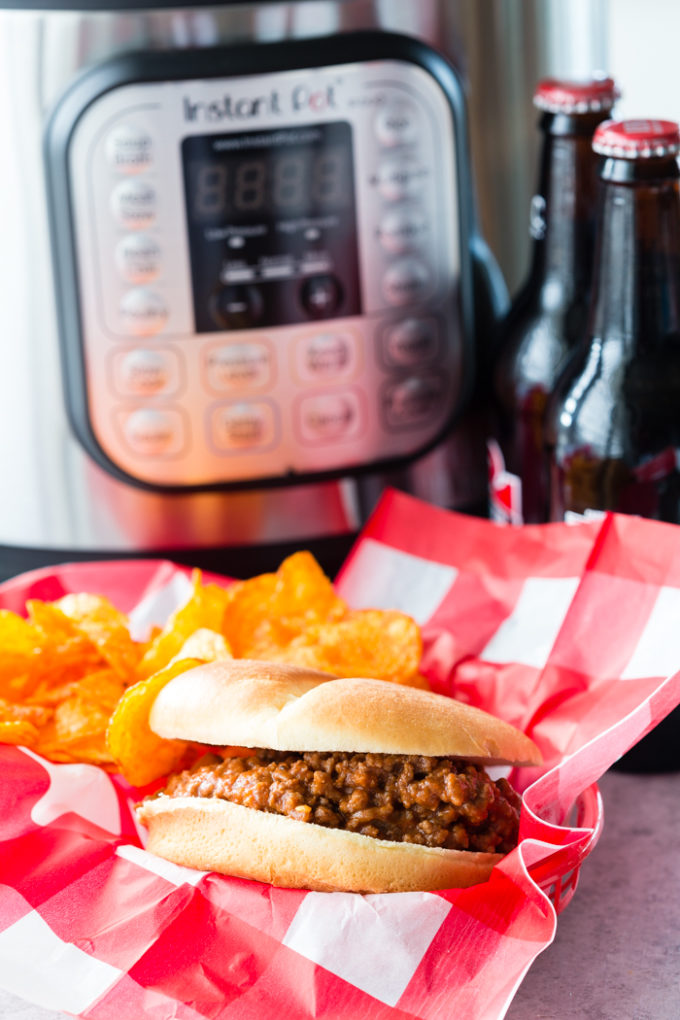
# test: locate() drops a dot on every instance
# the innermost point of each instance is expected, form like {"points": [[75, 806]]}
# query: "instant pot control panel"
{"points": [[262, 277]]}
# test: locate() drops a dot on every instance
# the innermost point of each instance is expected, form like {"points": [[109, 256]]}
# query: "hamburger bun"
{"points": [[287, 708], [248, 703], [216, 835]]}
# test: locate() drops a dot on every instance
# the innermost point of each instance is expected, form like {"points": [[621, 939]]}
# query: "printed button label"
{"points": [[142, 373], [138, 258], [326, 356], [399, 179], [397, 124], [129, 149], [406, 281], [239, 366], [410, 342], [134, 204], [142, 312], [329, 417], [154, 432], [412, 401], [245, 425]]}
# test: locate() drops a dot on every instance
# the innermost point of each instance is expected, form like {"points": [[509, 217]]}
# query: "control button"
{"points": [[129, 149], [398, 179], [138, 258], [237, 306], [401, 229], [397, 124], [321, 295], [406, 282], [326, 356], [134, 204], [239, 366], [245, 425], [143, 373], [329, 417], [410, 342], [154, 432], [412, 401], [143, 312], [276, 267]]}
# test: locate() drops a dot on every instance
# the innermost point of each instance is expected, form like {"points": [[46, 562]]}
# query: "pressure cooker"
{"points": [[243, 279]]}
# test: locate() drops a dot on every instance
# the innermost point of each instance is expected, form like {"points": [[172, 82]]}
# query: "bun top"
{"points": [[249, 703]]}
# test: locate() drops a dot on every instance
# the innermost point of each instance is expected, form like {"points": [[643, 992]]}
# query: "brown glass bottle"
{"points": [[548, 315], [614, 421]]}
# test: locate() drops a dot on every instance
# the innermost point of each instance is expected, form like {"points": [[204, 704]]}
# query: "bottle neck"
{"points": [[567, 196], [636, 296]]}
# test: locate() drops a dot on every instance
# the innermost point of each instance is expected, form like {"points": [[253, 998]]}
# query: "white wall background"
{"points": [[644, 51]]}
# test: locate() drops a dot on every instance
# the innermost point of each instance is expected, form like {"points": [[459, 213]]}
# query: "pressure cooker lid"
{"points": [[124, 5]]}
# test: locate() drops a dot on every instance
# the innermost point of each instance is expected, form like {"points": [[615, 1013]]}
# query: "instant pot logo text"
{"points": [[228, 107]]}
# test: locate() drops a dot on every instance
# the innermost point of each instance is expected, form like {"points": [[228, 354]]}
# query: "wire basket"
{"points": [[557, 875]]}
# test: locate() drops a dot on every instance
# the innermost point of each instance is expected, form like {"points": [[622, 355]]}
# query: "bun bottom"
{"points": [[216, 835]]}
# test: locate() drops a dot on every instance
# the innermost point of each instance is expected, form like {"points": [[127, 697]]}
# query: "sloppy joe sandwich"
{"points": [[321, 783]]}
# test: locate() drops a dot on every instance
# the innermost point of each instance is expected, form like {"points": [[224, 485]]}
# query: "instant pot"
{"points": [[244, 285]]}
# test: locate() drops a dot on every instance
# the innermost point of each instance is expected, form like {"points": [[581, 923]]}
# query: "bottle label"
{"points": [[505, 489], [586, 481], [661, 465], [537, 218], [571, 517]]}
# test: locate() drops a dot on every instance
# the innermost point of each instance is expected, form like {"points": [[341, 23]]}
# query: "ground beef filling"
{"points": [[437, 802]]}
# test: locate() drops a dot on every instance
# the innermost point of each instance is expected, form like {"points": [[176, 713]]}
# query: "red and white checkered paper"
{"points": [[570, 632]]}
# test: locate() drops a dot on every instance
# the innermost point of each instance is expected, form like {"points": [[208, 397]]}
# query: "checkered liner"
{"points": [[568, 632]]}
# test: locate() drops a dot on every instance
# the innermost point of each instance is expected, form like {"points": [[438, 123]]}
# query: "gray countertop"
{"points": [[616, 954], [617, 950]]}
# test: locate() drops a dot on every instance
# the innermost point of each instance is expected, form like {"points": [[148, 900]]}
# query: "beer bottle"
{"points": [[614, 421], [614, 428], [549, 313]]}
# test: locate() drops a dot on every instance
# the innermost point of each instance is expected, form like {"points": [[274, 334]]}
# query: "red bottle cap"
{"points": [[586, 96], [637, 139]]}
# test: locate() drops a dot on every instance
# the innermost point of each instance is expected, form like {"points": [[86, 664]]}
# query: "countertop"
{"points": [[617, 949]]}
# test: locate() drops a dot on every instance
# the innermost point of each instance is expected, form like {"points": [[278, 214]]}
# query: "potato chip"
{"points": [[49, 619], [139, 753], [384, 644], [18, 731], [107, 628], [81, 605], [19, 649], [19, 724], [57, 678], [204, 644], [303, 590], [65, 651], [78, 717], [103, 686], [75, 686], [249, 604], [418, 680], [265, 613], [17, 634], [89, 750], [204, 608], [35, 714]]}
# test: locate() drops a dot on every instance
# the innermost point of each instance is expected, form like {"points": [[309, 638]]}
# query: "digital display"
{"points": [[263, 209], [240, 185]]}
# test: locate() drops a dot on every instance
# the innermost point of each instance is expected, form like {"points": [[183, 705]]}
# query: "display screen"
{"points": [[242, 184], [273, 211]]}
